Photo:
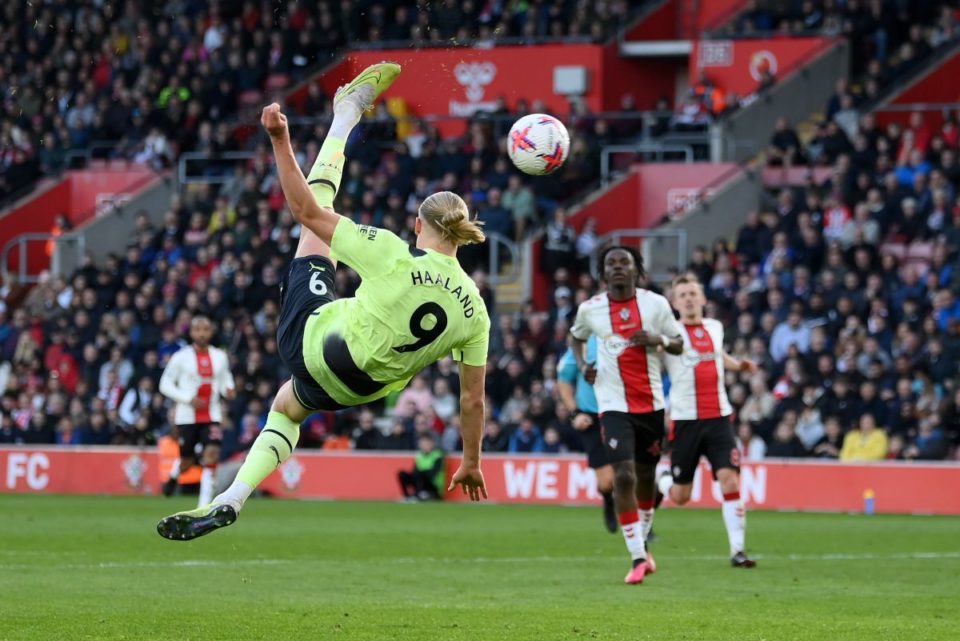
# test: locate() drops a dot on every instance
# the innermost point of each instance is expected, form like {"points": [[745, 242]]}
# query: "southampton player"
{"points": [[630, 324], [700, 413], [195, 378], [414, 306], [582, 403]]}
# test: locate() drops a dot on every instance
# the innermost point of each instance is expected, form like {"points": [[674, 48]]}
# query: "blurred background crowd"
{"points": [[843, 287]]}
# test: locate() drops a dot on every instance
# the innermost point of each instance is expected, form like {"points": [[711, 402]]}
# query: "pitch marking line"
{"points": [[207, 563]]}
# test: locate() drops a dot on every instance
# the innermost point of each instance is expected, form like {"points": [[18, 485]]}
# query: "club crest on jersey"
{"points": [[614, 345], [624, 314], [612, 443], [699, 332]]}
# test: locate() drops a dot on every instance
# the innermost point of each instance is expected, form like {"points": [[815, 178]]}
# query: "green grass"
{"points": [[94, 568]]}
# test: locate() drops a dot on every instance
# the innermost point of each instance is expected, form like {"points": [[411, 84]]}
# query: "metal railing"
{"points": [[494, 242], [657, 150], [185, 178], [22, 245], [651, 242]]}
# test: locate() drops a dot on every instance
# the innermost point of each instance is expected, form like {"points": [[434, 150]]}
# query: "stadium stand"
{"points": [[848, 284], [146, 80]]}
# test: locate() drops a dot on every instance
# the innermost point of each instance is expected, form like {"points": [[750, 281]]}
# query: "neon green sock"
{"points": [[273, 446], [324, 178]]}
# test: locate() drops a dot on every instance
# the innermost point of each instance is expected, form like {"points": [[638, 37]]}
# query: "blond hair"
{"points": [[447, 213]]}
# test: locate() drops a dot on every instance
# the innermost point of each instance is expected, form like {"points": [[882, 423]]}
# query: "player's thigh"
{"points": [[190, 437], [311, 245], [648, 431], [617, 433], [307, 285], [685, 450], [719, 445]]}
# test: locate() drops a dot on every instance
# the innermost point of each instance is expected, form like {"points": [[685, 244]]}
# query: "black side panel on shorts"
{"points": [[337, 357]]}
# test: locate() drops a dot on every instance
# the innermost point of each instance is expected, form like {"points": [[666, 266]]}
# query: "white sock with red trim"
{"points": [[646, 517], [632, 530], [207, 484], [735, 518]]}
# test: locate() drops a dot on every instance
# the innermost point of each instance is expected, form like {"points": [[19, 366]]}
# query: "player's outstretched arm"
{"points": [[469, 475], [320, 220]]}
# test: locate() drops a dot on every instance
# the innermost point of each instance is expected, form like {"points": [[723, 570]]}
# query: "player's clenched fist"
{"points": [[274, 121]]}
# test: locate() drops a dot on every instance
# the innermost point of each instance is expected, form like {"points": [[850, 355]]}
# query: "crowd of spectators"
{"points": [[887, 39], [855, 323], [145, 81], [82, 356]]}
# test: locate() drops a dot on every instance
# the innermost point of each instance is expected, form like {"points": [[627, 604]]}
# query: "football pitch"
{"points": [[94, 568]]}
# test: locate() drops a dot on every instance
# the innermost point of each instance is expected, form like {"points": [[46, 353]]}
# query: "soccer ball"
{"points": [[538, 144]]}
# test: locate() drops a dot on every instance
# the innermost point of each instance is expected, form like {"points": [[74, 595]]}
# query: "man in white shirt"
{"points": [[701, 413], [195, 378], [630, 324]]}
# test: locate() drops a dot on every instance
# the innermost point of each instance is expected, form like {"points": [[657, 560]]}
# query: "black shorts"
{"points": [[198, 434], [592, 442], [633, 437], [305, 287], [712, 438]]}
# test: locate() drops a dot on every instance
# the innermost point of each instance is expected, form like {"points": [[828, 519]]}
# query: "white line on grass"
{"points": [[209, 563]]}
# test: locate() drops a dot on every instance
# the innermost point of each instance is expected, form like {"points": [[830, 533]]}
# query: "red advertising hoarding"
{"points": [[737, 65], [772, 484]]}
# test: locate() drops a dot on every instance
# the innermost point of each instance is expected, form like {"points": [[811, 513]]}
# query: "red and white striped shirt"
{"points": [[191, 374], [628, 376], [696, 376]]}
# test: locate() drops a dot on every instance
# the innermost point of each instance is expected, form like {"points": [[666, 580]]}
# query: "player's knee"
{"points": [[211, 455], [729, 480], [680, 494], [624, 476]]}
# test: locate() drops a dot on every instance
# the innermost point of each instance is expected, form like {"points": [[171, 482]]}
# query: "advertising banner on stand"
{"points": [[738, 66], [776, 484]]}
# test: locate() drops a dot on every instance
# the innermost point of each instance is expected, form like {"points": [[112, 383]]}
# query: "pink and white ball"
{"points": [[538, 144]]}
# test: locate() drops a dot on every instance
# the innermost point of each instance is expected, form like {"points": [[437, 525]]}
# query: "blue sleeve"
{"points": [[567, 370]]}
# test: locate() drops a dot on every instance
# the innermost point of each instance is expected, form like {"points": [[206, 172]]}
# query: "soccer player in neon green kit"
{"points": [[414, 306]]}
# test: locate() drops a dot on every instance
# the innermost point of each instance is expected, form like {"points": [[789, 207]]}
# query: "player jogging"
{"points": [[630, 325], [195, 378], [700, 413], [582, 403], [414, 306]]}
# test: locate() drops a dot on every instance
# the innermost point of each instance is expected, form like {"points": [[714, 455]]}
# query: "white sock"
{"points": [[664, 483], [208, 479], [646, 522], [344, 121], [175, 469], [735, 518], [633, 535], [235, 495]]}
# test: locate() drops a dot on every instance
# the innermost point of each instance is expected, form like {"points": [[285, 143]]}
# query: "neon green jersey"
{"points": [[413, 307]]}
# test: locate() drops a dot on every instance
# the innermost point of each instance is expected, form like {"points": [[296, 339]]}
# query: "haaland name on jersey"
{"points": [[425, 279]]}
